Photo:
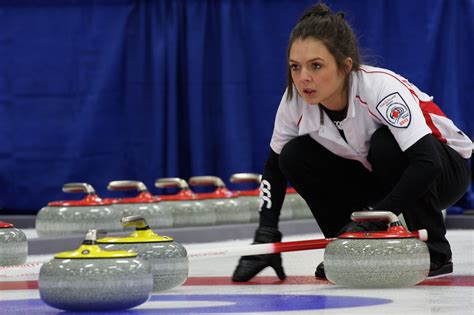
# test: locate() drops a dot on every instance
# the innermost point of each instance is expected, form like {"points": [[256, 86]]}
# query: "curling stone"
{"points": [[223, 201], [167, 258], [249, 199], [143, 204], [186, 208], [298, 206], [60, 218], [387, 259], [13, 245], [93, 279]]}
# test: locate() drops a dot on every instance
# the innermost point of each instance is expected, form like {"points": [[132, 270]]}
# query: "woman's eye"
{"points": [[316, 66], [294, 67]]}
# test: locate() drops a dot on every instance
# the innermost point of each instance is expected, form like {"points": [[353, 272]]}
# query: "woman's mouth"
{"points": [[309, 92]]}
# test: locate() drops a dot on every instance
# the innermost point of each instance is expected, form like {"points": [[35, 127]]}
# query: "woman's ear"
{"points": [[348, 65]]}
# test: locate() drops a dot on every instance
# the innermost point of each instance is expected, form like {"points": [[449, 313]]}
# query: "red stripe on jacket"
{"points": [[426, 107]]}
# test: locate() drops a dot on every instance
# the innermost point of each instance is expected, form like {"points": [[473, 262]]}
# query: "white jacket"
{"points": [[377, 97]]}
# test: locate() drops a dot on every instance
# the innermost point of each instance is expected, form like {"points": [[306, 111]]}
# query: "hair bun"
{"points": [[317, 10]]}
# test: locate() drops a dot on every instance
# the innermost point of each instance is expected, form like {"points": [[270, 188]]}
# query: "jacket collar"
{"points": [[313, 116]]}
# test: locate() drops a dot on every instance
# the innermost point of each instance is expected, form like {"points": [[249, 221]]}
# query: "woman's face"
{"points": [[316, 75]]}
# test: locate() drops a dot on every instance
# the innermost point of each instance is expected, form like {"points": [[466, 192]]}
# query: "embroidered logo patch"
{"points": [[394, 110]]}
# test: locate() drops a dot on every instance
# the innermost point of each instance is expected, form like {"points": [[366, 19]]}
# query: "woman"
{"points": [[349, 137]]}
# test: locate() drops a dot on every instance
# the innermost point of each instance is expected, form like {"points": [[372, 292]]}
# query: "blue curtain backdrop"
{"points": [[94, 91]]}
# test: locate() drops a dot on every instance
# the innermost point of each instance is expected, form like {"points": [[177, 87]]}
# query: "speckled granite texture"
{"points": [[59, 221], [13, 247], [95, 284], [376, 263], [168, 261]]}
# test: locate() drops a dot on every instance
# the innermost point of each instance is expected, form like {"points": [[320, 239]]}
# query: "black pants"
{"points": [[334, 187]]}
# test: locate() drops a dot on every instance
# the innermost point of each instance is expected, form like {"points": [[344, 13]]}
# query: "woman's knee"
{"points": [[292, 155], [383, 147]]}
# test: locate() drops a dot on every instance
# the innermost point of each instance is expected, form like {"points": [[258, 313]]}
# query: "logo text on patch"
{"points": [[394, 110]]}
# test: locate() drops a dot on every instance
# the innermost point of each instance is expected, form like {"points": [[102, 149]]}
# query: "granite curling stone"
{"points": [[186, 208], [70, 217], [249, 199], [386, 259], [93, 279], [167, 258], [13, 245], [299, 207], [144, 204], [225, 203]]}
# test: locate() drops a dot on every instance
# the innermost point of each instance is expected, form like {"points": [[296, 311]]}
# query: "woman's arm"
{"points": [[424, 165], [272, 192]]}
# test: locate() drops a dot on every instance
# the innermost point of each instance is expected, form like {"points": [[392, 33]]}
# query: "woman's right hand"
{"points": [[249, 266]]}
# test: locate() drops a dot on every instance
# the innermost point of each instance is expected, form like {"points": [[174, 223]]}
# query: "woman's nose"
{"points": [[305, 75]]}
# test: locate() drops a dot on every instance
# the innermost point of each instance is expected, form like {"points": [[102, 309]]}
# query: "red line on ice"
{"points": [[459, 281]]}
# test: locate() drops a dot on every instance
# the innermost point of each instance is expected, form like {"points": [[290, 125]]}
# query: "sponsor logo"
{"points": [[265, 195], [395, 110]]}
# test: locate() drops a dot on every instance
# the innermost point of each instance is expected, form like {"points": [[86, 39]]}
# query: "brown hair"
{"points": [[332, 29]]}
